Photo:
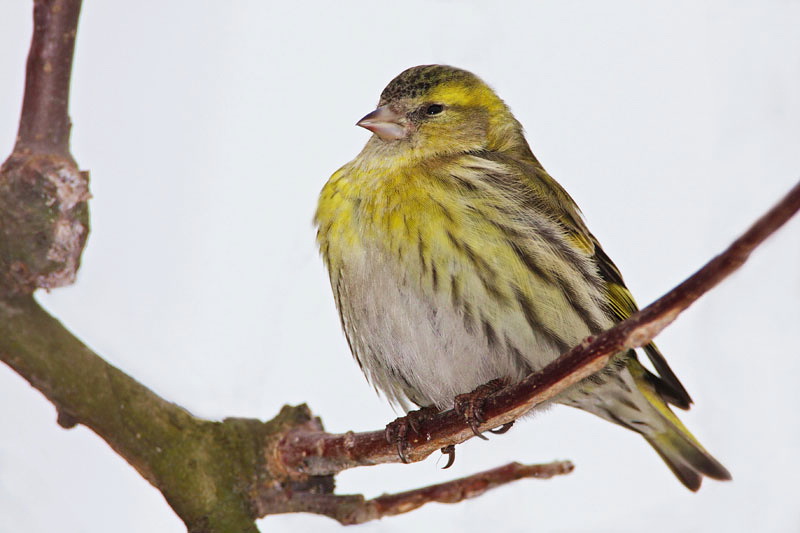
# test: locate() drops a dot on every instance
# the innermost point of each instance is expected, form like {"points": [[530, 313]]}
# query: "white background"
{"points": [[209, 128]]}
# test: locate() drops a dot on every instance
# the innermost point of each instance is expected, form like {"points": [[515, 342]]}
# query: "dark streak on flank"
{"points": [[553, 278], [486, 274], [618, 420], [455, 292], [621, 361], [552, 233], [433, 313], [464, 183], [530, 264], [455, 242], [629, 404], [406, 386], [571, 256], [445, 211], [508, 231], [488, 331], [434, 277], [492, 290], [469, 323], [515, 353], [621, 382], [597, 379], [517, 356], [484, 271], [421, 248], [571, 294], [536, 324]]}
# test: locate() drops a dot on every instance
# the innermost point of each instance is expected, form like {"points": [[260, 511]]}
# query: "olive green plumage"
{"points": [[455, 259]]}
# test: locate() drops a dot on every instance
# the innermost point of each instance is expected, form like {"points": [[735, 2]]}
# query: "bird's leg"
{"points": [[470, 406], [397, 431]]}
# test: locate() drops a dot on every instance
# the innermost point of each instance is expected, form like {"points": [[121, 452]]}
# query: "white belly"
{"points": [[414, 345]]}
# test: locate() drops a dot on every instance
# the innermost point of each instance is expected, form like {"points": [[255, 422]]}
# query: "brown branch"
{"points": [[44, 125], [460, 489], [305, 451], [354, 509], [44, 217]]}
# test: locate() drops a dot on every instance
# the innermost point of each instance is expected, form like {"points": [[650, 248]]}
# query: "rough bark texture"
{"points": [[203, 468]]}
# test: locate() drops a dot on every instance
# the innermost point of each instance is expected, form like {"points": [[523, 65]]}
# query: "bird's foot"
{"points": [[470, 406], [397, 431]]}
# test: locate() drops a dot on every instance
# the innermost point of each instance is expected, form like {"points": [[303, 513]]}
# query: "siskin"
{"points": [[455, 259]]}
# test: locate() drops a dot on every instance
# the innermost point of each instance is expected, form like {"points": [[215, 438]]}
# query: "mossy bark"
{"points": [[209, 472]]}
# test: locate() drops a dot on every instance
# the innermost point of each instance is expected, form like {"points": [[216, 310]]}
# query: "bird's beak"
{"points": [[384, 123]]}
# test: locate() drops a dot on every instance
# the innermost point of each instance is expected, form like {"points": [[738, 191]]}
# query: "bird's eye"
{"points": [[434, 109]]}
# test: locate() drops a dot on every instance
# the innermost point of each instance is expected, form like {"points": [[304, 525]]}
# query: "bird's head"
{"points": [[437, 110]]}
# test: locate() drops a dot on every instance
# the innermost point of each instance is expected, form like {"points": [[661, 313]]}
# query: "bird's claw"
{"points": [[396, 432], [502, 429], [470, 406], [450, 452]]}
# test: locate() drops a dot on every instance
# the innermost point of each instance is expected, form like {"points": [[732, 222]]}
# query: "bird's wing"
{"points": [[623, 306], [558, 203]]}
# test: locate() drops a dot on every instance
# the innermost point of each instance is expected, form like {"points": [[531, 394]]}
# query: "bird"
{"points": [[456, 260]]}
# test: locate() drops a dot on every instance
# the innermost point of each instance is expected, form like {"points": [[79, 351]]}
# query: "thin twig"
{"points": [[460, 489], [351, 509], [304, 452]]}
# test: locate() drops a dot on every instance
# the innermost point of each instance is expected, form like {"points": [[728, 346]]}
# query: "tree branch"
{"points": [[201, 467], [44, 125], [44, 217], [354, 509]]}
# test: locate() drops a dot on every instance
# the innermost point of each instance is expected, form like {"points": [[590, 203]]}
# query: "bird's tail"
{"points": [[684, 455], [687, 459], [631, 397]]}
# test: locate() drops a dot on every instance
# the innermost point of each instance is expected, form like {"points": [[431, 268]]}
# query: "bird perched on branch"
{"points": [[455, 260]]}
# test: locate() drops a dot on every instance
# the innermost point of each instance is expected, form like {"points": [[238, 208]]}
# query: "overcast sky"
{"points": [[209, 128]]}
